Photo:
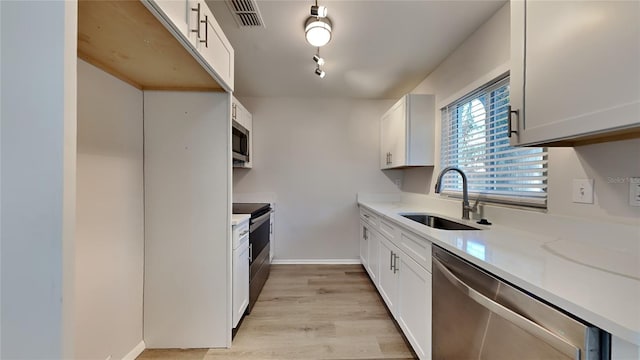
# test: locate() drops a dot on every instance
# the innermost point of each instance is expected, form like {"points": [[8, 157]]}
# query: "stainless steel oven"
{"points": [[478, 316]]}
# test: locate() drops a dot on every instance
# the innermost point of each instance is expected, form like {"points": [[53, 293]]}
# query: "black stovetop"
{"points": [[250, 208]]}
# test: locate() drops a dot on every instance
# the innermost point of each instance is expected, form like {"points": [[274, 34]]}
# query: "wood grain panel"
{"points": [[311, 312], [124, 39]]}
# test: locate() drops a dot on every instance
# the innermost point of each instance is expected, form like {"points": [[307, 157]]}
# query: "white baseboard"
{"points": [[133, 354], [316, 261]]}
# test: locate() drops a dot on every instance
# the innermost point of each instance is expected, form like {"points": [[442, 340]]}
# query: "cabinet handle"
{"points": [[395, 263], [250, 252], [206, 30], [364, 233], [197, 30], [510, 130], [390, 260], [390, 158], [244, 233], [233, 111]]}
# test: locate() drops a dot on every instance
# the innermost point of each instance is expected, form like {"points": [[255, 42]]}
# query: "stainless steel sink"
{"points": [[437, 222]]}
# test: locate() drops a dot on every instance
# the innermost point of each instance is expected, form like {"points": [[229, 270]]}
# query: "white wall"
{"points": [[486, 54], [38, 158], [315, 155], [110, 216]]}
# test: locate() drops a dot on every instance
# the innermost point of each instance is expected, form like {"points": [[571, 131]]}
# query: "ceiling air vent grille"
{"points": [[246, 13]]}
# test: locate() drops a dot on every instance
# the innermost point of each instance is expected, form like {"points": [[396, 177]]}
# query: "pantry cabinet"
{"points": [[574, 72], [407, 133]]}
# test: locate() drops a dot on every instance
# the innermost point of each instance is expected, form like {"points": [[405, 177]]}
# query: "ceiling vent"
{"points": [[246, 13]]}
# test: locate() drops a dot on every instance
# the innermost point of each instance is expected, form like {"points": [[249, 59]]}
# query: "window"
{"points": [[475, 139]]}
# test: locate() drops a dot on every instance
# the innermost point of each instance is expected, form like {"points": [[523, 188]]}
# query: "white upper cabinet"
{"points": [[407, 133], [213, 45], [178, 13], [575, 71], [201, 33]]}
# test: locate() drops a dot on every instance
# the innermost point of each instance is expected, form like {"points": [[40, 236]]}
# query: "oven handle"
{"points": [[255, 223], [513, 317]]}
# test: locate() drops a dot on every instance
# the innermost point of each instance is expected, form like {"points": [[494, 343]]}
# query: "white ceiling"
{"points": [[380, 49]]}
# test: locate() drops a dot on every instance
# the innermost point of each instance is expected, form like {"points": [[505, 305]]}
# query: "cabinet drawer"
{"points": [[417, 248], [369, 218], [389, 231], [240, 233]]}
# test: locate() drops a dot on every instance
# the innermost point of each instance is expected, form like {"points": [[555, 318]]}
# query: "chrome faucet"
{"points": [[466, 208]]}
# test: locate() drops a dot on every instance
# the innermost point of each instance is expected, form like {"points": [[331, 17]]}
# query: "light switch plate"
{"points": [[583, 191], [634, 191]]}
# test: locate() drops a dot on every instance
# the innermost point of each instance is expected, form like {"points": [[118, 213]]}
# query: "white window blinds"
{"points": [[475, 139]]}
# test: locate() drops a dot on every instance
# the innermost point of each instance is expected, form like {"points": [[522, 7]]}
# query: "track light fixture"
{"points": [[318, 59], [317, 30], [318, 11]]}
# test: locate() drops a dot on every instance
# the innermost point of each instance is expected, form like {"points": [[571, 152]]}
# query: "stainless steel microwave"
{"points": [[240, 142]]}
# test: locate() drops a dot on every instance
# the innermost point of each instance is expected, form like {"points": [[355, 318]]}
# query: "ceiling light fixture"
{"points": [[317, 31], [320, 73], [318, 59], [318, 11]]}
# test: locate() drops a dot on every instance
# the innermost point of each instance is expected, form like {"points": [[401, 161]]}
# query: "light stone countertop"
{"points": [[239, 218], [571, 269]]}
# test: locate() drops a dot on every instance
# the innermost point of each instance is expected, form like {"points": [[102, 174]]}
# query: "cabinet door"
{"points": [[177, 12], [214, 46], [578, 74], [272, 247], [364, 244], [388, 277], [393, 131], [414, 305], [373, 243], [240, 281]]}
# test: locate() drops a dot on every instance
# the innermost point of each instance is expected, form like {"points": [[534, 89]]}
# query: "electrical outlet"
{"points": [[583, 191], [634, 191]]}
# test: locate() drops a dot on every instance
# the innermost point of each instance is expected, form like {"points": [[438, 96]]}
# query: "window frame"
{"points": [[533, 173]]}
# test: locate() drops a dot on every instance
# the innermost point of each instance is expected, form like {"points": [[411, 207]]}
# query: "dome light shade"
{"points": [[318, 31]]}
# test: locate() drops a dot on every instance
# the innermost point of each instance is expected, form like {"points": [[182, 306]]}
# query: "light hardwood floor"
{"points": [[311, 312]]}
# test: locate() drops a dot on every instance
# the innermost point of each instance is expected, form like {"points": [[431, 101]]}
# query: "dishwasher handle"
{"points": [[522, 322]]}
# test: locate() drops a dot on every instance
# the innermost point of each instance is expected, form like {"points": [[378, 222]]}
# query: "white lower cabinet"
{"points": [[413, 306], [373, 247], [364, 245], [403, 283], [388, 279], [240, 281]]}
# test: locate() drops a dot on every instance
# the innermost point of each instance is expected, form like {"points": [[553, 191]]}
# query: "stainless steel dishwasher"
{"points": [[477, 316]]}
